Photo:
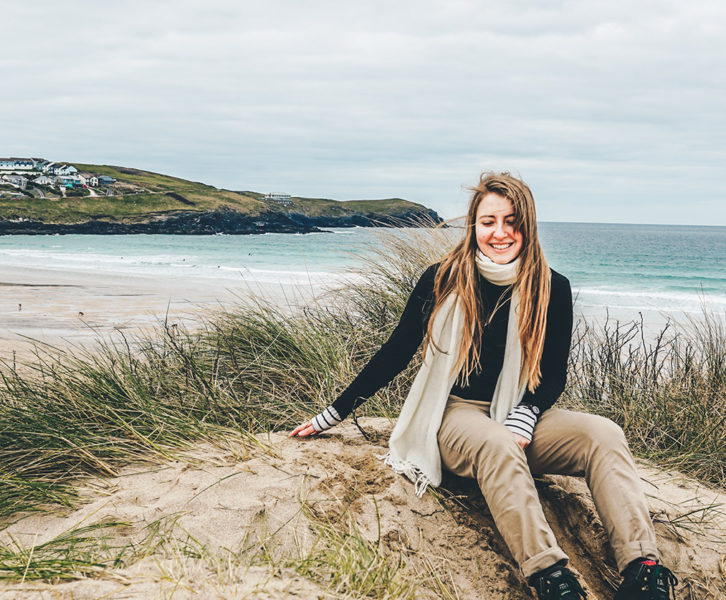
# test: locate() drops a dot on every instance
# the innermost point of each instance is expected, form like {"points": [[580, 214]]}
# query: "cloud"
{"points": [[607, 109]]}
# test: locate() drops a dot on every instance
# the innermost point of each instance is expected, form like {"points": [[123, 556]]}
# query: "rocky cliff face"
{"points": [[218, 221], [402, 219]]}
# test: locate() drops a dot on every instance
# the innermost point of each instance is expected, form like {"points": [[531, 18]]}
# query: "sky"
{"points": [[610, 111]]}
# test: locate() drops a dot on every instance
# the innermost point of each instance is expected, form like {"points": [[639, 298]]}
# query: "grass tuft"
{"points": [[668, 392]]}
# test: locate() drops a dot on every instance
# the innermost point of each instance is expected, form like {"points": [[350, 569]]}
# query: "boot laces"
{"points": [[561, 586], [664, 574]]}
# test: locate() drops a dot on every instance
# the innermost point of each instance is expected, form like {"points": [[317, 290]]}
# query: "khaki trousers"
{"points": [[564, 443]]}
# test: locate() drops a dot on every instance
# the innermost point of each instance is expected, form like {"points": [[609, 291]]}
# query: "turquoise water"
{"points": [[649, 267]]}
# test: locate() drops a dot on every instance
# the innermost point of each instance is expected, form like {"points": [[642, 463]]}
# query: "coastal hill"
{"points": [[137, 201]]}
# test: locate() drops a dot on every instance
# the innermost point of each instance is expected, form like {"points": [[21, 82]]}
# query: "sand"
{"points": [[228, 499], [74, 308]]}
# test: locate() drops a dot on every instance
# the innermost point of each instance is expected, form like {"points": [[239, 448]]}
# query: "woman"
{"points": [[496, 324]]}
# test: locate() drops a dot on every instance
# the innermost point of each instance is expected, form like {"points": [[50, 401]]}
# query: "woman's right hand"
{"points": [[303, 430]]}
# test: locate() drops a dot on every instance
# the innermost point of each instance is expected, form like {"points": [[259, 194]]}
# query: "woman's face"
{"points": [[495, 233]]}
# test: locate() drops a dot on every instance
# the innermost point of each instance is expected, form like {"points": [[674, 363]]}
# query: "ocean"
{"points": [[619, 268]]}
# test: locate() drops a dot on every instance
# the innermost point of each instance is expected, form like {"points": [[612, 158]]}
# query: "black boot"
{"points": [[647, 580], [556, 583]]}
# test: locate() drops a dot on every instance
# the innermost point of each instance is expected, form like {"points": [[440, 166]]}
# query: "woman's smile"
{"points": [[496, 234]]}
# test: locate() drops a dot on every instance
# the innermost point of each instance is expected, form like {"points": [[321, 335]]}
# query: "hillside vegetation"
{"points": [[140, 195]]}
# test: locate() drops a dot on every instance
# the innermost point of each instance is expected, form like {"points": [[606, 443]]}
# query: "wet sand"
{"points": [[71, 309]]}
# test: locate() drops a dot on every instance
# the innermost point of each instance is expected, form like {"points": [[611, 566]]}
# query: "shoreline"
{"points": [[78, 307]]}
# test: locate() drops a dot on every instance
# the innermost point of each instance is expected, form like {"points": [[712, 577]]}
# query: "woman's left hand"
{"points": [[522, 441]]}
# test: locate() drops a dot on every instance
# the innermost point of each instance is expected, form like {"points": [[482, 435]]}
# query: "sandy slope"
{"points": [[226, 500]]}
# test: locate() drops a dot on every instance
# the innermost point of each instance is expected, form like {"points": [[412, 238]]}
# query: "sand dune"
{"points": [[275, 520]]}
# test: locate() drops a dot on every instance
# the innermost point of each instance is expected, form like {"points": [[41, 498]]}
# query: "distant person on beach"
{"points": [[496, 324]]}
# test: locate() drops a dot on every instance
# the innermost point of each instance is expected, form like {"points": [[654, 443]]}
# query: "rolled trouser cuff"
{"points": [[627, 553], [541, 561]]}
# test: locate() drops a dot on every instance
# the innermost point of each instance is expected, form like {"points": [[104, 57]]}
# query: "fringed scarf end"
{"points": [[420, 481]]}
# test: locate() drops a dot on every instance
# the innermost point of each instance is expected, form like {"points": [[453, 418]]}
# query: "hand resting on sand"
{"points": [[303, 430]]}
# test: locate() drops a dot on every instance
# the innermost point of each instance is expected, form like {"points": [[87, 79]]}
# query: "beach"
{"points": [[73, 309], [324, 519]]}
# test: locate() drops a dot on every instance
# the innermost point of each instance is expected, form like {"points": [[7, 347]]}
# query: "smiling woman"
{"points": [[497, 235], [496, 324]]}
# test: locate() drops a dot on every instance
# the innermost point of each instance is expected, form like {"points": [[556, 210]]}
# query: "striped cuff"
{"points": [[521, 421], [326, 419]]}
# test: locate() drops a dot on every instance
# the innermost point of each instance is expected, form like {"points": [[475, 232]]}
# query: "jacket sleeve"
{"points": [[396, 352], [556, 351]]}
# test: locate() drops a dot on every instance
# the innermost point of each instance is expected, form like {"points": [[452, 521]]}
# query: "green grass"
{"points": [[388, 207], [668, 394], [81, 552]]}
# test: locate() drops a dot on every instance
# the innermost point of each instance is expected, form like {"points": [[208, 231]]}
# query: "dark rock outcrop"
{"points": [[426, 217], [220, 221], [191, 223]]}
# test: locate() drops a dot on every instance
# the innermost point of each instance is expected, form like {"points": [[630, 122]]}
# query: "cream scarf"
{"points": [[413, 447]]}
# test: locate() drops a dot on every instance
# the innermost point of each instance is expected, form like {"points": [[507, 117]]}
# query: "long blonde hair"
{"points": [[458, 275]]}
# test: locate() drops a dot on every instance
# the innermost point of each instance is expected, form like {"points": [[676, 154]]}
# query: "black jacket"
{"points": [[397, 352]]}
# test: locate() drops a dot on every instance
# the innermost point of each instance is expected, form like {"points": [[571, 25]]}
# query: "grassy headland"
{"points": [[139, 196]]}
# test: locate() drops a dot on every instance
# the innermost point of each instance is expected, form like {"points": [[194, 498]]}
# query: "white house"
{"points": [[278, 198], [16, 180], [43, 180], [65, 170], [93, 181], [17, 164]]}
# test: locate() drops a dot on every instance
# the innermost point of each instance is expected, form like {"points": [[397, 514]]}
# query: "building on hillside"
{"points": [[17, 164], [43, 180], [70, 181], [104, 180], [93, 181], [65, 170], [17, 180], [278, 198]]}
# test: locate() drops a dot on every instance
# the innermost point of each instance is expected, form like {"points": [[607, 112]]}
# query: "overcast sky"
{"points": [[612, 112]]}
